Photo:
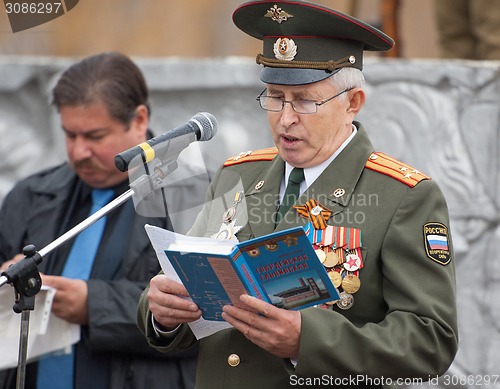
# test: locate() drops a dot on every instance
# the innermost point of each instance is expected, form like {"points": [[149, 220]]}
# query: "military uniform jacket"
{"points": [[403, 321]]}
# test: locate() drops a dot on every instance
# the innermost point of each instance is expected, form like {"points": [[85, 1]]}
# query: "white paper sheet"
{"points": [[47, 333]]}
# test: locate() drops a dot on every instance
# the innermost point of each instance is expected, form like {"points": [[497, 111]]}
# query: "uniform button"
{"points": [[233, 360]]}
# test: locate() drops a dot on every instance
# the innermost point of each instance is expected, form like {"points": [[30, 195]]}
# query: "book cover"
{"points": [[281, 268]]}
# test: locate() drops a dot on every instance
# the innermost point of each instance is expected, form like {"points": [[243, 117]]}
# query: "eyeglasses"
{"points": [[276, 104]]}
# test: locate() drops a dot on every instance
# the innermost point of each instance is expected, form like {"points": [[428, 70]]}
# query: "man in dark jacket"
{"points": [[103, 105]]}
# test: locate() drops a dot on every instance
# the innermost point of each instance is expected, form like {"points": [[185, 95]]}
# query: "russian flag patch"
{"points": [[437, 243]]}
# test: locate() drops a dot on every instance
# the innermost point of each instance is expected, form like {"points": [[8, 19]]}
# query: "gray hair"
{"points": [[347, 78]]}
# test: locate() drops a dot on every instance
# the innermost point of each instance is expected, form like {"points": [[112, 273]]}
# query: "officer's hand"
{"points": [[274, 329], [168, 303]]}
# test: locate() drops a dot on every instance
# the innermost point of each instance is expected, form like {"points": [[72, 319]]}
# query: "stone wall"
{"points": [[441, 117]]}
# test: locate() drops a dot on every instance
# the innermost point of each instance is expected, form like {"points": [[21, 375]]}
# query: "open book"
{"points": [[281, 268]]}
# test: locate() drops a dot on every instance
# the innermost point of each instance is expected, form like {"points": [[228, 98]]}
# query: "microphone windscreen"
{"points": [[207, 124]]}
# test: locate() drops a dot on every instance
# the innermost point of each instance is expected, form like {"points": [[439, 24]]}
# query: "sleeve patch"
{"points": [[437, 243]]}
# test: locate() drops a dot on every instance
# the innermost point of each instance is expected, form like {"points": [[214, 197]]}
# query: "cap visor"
{"points": [[287, 76]]}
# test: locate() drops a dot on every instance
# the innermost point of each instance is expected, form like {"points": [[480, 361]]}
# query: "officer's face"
{"points": [[306, 140], [93, 138]]}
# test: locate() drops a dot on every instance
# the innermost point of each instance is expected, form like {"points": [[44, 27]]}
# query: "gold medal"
{"points": [[351, 283], [346, 301], [335, 277], [331, 259], [321, 255]]}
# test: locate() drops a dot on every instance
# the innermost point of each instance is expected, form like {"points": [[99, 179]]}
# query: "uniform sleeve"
{"points": [[418, 336], [184, 339]]}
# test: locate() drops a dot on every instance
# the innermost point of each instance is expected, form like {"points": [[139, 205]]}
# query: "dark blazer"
{"points": [[111, 345], [403, 321]]}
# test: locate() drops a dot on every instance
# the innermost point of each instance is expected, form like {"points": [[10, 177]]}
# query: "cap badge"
{"points": [[285, 49], [277, 14]]}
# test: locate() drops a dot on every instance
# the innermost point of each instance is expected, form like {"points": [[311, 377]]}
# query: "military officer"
{"points": [[379, 226]]}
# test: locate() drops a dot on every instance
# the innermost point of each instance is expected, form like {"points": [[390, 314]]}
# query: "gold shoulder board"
{"points": [[389, 166], [252, 156]]}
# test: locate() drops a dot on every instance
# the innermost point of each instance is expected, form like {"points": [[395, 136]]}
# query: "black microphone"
{"points": [[201, 127]]}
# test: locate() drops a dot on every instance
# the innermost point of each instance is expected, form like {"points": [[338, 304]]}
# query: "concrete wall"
{"points": [[441, 117]]}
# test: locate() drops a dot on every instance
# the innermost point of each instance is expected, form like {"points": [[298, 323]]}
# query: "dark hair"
{"points": [[110, 78]]}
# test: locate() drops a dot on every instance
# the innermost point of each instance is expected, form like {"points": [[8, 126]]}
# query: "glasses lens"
{"points": [[271, 103], [304, 106]]}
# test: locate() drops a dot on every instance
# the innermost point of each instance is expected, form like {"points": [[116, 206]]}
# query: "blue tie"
{"points": [[56, 371]]}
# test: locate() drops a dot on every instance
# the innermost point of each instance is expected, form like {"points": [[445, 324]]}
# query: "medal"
{"points": [[346, 301], [317, 213], [335, 277], [224, 233], [271, 246], [352, 262], [331, 260], [254, 252], [290, 240], [351, 283], [316, 210], [229, 214], [321, 255], [338, 249], [228, 229]]}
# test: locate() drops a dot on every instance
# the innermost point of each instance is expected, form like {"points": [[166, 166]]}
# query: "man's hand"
{"points": [[168, 304], [274, 329], [16, 258], [70, 300]]}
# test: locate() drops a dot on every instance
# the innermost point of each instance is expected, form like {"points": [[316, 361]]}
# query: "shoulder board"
{"points": [[252, 156], [389, 166]]}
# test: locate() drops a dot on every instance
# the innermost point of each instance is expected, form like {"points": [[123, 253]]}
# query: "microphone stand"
{"points": [[24, 275]]}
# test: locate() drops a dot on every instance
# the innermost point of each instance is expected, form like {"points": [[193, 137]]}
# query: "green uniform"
{"points": [[403, 320]]}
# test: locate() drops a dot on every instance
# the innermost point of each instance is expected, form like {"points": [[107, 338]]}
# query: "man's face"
{"points": [[306, 140], [93, 138]]}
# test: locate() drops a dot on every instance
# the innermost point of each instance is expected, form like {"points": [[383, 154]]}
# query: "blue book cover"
{"points": [[281, 268]]}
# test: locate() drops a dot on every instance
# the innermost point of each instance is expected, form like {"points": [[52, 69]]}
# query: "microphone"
{"points": [[201, 127]]}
